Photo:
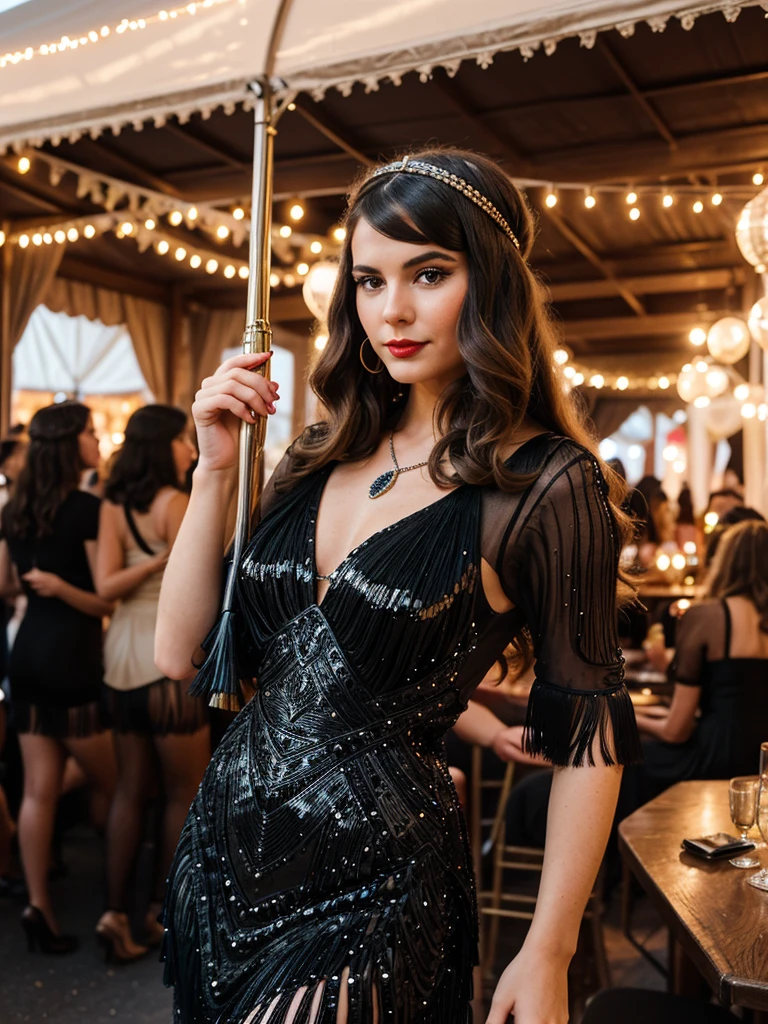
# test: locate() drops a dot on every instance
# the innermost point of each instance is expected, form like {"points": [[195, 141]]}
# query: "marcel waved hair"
{"points": [[740, 566], [505, 333], [145, 463]]}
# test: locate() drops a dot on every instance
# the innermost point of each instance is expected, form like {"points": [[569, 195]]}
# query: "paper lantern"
{"points": [[692, 381], [728, 339], [723, 417], [318, 288], [752, 230], [758, 322]]}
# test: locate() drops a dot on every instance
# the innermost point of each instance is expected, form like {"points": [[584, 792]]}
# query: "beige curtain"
{"points": [[210, 332], [148, 324], [32, 271]]}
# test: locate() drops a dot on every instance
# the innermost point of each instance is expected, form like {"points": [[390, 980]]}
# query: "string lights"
{"points": [[99, 33]]}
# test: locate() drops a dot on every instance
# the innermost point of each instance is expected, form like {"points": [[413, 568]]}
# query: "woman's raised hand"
{"points": [[235, 392]]}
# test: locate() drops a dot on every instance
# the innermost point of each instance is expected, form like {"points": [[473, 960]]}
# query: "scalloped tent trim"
{"points": [[369, 70]]}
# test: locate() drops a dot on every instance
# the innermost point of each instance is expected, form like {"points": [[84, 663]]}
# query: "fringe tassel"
{"points": [[565, 726], [218, 678]]}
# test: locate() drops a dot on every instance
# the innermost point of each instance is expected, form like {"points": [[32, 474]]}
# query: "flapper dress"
{"points": [[326, 846]]}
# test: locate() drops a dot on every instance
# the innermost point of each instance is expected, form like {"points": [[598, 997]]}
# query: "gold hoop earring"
{"points": [[363, 361]]}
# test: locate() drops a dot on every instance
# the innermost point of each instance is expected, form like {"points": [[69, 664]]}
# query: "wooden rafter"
{"points": [[337, 133], [642, 101], [613, 328], [651, 284], [571, 235], [138, 174], [205, 143]]}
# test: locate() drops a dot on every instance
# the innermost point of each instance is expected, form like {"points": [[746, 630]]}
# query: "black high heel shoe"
{"points": [[39, 934]]}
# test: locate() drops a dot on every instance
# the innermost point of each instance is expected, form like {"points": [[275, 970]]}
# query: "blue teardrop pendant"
{"points": [[382, 484]]}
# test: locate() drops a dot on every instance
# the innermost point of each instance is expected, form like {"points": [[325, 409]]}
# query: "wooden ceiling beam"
{"points": [[571, 235], [651, 284], [75, 269], [642, 102], [28, 197], [205, 143], [138, 175], [340, 135], [459, 100], [641, 159], [34, 187], [619, 328]]}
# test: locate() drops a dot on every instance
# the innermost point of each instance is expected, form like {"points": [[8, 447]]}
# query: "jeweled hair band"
{"points": [[408, 166]]}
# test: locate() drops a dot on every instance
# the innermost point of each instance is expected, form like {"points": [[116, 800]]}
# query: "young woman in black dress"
{"points": [[448, 504], [49, 530]]}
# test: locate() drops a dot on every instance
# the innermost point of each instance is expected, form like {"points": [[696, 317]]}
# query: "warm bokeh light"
{"points": [[697, 336], [285, 231], [222, 231]]}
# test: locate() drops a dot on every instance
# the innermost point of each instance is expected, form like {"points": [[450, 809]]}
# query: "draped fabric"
{"points": [[32, 272], [210, 332], [148, 324], [326, 848]]}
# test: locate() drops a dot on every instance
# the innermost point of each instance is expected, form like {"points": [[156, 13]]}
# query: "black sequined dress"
{"points": [[326, 846]]}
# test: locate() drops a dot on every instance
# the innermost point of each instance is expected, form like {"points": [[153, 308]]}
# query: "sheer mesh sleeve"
{"points": [[697, 631], [559, 565]]}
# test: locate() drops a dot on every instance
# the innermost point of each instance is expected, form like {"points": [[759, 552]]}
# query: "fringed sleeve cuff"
{"points": [[571, 728]]}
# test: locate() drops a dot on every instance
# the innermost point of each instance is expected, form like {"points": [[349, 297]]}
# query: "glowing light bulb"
{"points": [[577, 379], [296, 212], [243, 273], [667, 200], [238, 213], [757, 178], [597, 380], [762, 412], [339, 234], [47, 237], [175, 218], [192, 213], [569, 372], [126, 227], [550, 200], [89, 230], [701, 365], [229, 270], [163, 246], [622, 383], [37, 238], [195, 260], [634, 213], [302, 269], [697, 336], [316, 247], [60, 236], [631, 198], [211, 266], [149, 224], [289, 280], [321, 340], [716, 199], [285, 231], [711, 519], [702, 401], [678, 561], [663, 562], [690, 547], [181, 253], [561, 356], [589, 201], [749, 410], [663, 383], [23, 241], [274, 280], [698, 206], [24, 164], [291, 106]]}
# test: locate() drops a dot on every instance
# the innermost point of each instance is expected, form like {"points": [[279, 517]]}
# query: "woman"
{"points": [[49, 532], [323, 873], [719, 712], [155, 720]]}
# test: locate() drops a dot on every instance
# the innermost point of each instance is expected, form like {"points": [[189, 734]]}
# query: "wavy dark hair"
{"points": [[506, 334], [145, 463], [740, 566], [51, 471]]}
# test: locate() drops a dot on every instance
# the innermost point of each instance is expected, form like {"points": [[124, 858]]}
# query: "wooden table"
{"points": [[719, 921]]}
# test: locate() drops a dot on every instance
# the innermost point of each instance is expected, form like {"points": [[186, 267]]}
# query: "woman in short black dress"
{"points": [[49, 530]]}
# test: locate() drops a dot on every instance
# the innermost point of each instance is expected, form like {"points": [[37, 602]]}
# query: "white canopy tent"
{"points": [[82, 66]]}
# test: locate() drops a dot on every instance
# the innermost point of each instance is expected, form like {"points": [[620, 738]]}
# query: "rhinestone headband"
{"points": [[408, 166]]}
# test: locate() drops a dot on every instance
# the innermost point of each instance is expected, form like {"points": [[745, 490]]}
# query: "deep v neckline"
{"points": [[312, 536]]}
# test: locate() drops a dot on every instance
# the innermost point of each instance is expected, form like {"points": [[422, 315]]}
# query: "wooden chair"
{"points": [[503, 901]]}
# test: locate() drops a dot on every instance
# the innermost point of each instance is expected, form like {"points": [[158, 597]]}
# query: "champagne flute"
{"points": [[742, 796]]}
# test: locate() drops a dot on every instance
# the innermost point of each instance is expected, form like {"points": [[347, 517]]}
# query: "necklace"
{"points": [[386, 481]]}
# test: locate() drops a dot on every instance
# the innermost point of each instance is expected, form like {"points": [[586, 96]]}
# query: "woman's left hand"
{"points": [[46, 584], [534, 987]]}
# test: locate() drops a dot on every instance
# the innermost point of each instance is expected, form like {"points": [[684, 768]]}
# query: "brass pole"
{"points": [[6, 353]]}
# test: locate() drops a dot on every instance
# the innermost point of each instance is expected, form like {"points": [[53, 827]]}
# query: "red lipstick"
{"points": [[404, 348]]}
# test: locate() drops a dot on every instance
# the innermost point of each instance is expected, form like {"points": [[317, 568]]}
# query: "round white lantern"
{"points": [[318, 288], [692, 381], [752, 230], [728, 339], [758, 322], [723, 417]]}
